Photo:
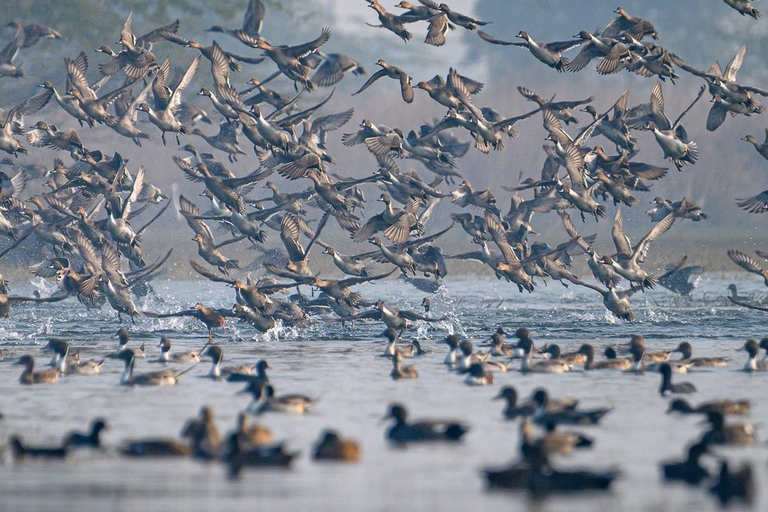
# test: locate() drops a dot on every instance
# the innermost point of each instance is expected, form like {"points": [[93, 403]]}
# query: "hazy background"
{"points": [[699, 31]]}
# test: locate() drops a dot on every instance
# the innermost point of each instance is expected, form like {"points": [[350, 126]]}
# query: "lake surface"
{"points": [[341, 368]]}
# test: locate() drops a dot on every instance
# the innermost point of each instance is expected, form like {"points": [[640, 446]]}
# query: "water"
{"points": [[340, 367]]}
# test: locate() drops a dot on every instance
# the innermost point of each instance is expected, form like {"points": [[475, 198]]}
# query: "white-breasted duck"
{"points": [[237, 373], [192, 356], [606, 364], [264, 400], [478, 376], [752, 364], [160, 378], [572, 416]]}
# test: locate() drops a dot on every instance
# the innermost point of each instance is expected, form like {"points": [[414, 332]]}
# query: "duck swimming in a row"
{"points": [[477, 376], [402, 372], [686, 350], [30, 376], [721, 406], [159, 378], [607, 364], [421, 431], [332, 447], [667, 387], [752, 364], [264, 400], [182, 357]]}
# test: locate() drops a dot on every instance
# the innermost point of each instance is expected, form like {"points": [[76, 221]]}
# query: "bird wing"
{"points": [[175, 100]]}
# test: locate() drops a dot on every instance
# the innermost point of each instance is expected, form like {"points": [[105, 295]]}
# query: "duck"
{"points": [[548, 53], [738, 407], [744, 7], [639, 365], [90, 440], [608, 364], [167, 357], [403, 432], [203, 435], [165, 119], [565, 416], [562, 443], [569, 358], [545, 366], [689, 470], [637, 340], [239, 373], [21, 451], [160, 378], [123, 336], [391, 335], [154, 448], [667, 387], [762, 149], [468, 357], [251, 435], [452, 340], [402, 372], [275, 455], [346, 264], [722, 434], [752, 364], [30, 376], [477, 376], [68, 365], [686, 350], [332, 447], [730, 485], [512, 410], [264, 400], [395, 73]]}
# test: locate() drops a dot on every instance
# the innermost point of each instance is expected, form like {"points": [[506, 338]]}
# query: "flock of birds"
{"points": [[98, 258]]}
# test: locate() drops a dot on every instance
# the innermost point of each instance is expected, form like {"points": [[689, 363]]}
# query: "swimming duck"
{"points": [[203, 435], [154, 448], [721, 406], [332, 447], [511, 409], [686, 350], [544, 366], [452, 340], [563, 416], [123, 336], [160, 378], [638, 341], [184, 357], [569, 357], [30, 376], [251, 435], [562, 443], [668, 387], [239, 373], [403, 432], [608, 364], [92, 440], [689, 470], [264, 400], [752, 364], [21, 451], [402, 372], [478, 376], [66, 364], [260, 456], [391, 335], [418, 351], [730, 485], [722, 434]]}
